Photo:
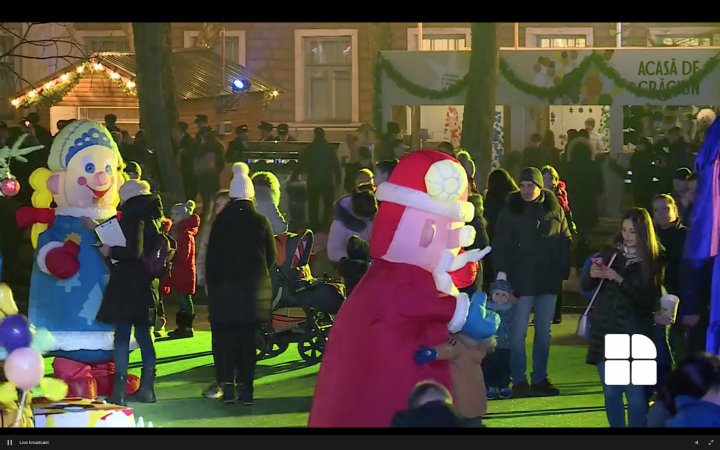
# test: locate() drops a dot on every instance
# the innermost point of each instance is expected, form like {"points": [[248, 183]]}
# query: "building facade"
{"points": [[327, 69]]}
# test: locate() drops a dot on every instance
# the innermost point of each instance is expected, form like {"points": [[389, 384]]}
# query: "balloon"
{"points": [[54, 389], [42, 340], [7, 302], [8, 394], [24, 367], [15, 333]]}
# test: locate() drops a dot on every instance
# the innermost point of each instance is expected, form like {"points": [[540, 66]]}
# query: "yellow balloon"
{"points": [[54, 389], [8, 393], [7, 302]]}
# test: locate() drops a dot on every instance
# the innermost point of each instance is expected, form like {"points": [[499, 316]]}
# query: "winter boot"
{"points": [[184, 328], [229, 395], [146, 393], [118, 393]]}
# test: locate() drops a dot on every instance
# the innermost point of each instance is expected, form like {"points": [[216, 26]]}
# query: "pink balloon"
{"points": [[24, 368]]}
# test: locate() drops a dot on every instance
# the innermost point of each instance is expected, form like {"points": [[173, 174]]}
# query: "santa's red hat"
{"points": [[426, 180], [430, 181]]}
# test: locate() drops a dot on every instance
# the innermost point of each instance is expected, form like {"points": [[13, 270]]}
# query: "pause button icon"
{"points": [[9, 442]]}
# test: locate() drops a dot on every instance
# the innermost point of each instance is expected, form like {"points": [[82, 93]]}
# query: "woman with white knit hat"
{"points": [[240, 252]]}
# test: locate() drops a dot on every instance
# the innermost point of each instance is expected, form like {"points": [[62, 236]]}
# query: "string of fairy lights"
{"points": [[53, 90]]}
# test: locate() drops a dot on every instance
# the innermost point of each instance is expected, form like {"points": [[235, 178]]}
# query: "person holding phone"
{"points": [[625, 304]]}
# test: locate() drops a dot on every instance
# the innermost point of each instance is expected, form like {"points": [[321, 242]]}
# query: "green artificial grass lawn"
{"points": [[284, 386]]}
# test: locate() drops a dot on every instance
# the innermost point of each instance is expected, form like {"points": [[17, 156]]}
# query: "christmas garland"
{"points": [[55, 93], [570, 83], [416, 89]]}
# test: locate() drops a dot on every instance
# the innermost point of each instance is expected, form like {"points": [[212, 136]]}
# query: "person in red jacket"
{"points": [[181, 283]]}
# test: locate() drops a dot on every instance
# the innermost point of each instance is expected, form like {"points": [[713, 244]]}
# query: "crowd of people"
{"points": [[539, 227]]}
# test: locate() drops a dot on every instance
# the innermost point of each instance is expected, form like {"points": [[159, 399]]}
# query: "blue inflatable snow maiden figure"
{"points": [[69, 273]]}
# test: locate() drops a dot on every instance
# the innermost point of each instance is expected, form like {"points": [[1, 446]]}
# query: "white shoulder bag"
{"points": [[583, 328]]}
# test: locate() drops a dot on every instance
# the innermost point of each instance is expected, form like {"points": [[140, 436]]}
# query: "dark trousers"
{"points": [[496, 368], [558, 307], [184, 303], [233, 347], [317, 196], [688, 342], [121, 352], [660, 336]]}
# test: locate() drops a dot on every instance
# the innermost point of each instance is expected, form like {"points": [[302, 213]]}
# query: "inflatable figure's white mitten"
{"points": [[462, 308]]}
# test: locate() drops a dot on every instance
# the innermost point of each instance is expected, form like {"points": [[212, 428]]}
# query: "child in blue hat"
{"points": [[496, 366]]}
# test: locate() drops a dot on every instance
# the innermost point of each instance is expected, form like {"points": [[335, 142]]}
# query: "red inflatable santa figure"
{"points": [[408, 297]]}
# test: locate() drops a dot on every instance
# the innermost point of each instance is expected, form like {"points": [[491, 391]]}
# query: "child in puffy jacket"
{"points": [[180, 285]]}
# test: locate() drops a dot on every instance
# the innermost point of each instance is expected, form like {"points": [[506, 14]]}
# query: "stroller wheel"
{"points": [[312, 345], [261, 345], [277, 348]]}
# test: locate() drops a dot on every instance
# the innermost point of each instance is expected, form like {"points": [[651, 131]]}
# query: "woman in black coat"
{"points": [[240, 252], [131, 296], [625, 304]]}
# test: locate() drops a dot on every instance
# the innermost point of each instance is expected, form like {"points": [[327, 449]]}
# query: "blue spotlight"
{"points": [[240, 85]]}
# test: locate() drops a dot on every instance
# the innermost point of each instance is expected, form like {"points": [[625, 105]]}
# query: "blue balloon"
{"points": [[15, 332]]}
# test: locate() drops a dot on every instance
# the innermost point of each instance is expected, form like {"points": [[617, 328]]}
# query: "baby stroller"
{"points": [[303, 306]]}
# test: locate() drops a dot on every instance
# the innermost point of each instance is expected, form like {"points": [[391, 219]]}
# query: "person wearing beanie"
{"points": [[133, 170], [496, 365], [240, 252], [553, 183], [181, 282], [531, 247], [131, 296], [478, 222], [241, 186], [267, 200]]}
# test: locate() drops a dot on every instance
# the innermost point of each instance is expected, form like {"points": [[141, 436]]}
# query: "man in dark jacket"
{"points": [[131, 296], [237, 147], [319, 163], [240, 252], [532, 247], [187, 148]]}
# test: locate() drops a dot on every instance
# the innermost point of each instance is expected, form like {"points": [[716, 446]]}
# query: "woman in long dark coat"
{"points": [[131, 295], [240, 252]]}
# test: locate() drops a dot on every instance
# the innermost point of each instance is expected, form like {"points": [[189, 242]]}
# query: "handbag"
{"points": [[583, 328]]}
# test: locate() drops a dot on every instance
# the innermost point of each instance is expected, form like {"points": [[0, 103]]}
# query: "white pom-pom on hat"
{"points": [[241, 167], [134, 188], [241, 186]]}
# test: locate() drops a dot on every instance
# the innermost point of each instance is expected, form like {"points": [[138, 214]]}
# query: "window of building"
{"points": [[327, 76], [234, 44], [683, 36], [565, 37], [575, 41], [440, 39]]}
